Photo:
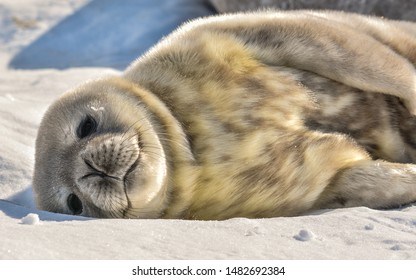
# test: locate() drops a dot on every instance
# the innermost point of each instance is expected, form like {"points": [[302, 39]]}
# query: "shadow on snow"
{"points": [[108, 33]]}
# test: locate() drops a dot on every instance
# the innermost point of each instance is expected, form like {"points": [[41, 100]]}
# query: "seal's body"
{"points": [[248, 115]]}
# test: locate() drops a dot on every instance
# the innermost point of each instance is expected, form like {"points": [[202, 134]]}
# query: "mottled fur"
{"points": [[248, 115]]}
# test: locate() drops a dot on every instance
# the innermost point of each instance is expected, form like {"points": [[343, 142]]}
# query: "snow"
{"points": [[47, 47], [30, 219], [304, 235]]}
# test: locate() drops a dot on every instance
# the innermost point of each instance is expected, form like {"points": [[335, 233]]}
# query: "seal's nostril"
{"points": [[94, 172], [90, 165]]}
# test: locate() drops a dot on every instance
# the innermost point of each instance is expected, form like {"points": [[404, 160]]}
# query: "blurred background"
{"points": [[110, 33]]}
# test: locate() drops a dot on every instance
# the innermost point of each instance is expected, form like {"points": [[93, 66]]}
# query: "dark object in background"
{"points": [[395, 9]]}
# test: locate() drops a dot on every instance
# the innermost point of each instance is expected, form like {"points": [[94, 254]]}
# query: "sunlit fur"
{"points": [[248, 115]]}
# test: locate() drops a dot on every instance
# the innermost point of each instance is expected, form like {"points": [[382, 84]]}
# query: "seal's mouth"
{"points": [[131, 170], [133, 167], [127, 181]]}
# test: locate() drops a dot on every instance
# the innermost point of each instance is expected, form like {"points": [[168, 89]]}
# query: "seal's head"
{"points": [[98, 154]]}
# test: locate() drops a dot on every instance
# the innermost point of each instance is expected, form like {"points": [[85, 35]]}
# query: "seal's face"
{"points": [[98, 154]]}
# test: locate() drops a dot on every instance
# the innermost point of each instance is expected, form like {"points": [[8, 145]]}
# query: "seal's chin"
{"points": [[146, 183], [130, 172]]}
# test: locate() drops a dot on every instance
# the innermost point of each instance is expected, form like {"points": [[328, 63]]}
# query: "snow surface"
{"points": [[47, 47], [30, 219]]}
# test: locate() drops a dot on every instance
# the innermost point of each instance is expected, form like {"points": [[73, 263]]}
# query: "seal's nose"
{"points": [[111, 155]]}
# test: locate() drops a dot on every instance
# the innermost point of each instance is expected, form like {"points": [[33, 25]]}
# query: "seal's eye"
{"points": [[74, 204], [86, 127]]}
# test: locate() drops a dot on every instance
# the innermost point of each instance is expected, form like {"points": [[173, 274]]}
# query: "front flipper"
{"points": [[326, 47]]}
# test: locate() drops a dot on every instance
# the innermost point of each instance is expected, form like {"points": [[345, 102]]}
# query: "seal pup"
{"points": [[244, 115]]}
